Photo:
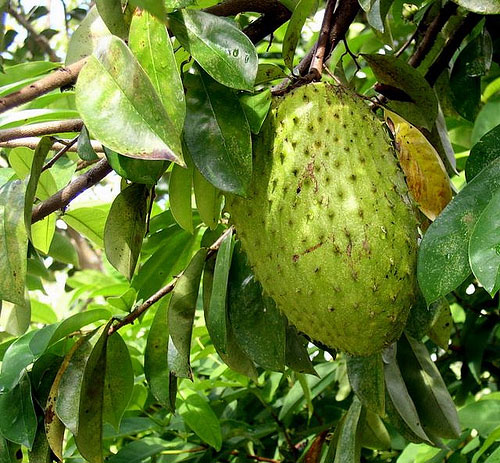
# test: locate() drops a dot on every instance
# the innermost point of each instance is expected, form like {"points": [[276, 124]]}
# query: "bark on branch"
{"points": [[32, 143], [38, 130], [63, 197]]}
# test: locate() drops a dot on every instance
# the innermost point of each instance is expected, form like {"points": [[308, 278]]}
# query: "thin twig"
{"points": [[40, 39], [256, 457], [431, 33], [59, 78], [316, 67], [451, 46], [32, 143], [60, 154], [162, 292], [40, 129], [63, 197]]}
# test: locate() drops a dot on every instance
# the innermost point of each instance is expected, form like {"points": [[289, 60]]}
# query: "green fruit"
{"points": [[328, 225]]}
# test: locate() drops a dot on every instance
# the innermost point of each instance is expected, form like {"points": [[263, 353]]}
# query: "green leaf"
{"points": [[256, 107], [85, 38], [215, 313], [377, 13], [296, 355], [84, 146], [491, 439], [181, 316], [399, 405], [217, 133], [124, 301], [5, 451], [118, 382], [422, 317], [125, 228], [487, 119], [480, 6], [443, 260], [366, 375], [151, 45], [40, 452], [112, 15], [89, 221], [301, 12], [145, 448], [221, 49], [162, 384], [136, 170], [482, 153], [349, 443], [208, 200], [374, 434], [484, 247], [121, 108], [421, 109], [15, 319], [440, 331], [257, 324], [198, 415], [481, 415], [13, 242], [42, 233], [267, 72], [90, 412], [41, 152], [431, 397], [18, 421], [179, 193], [63, 251], [155, 7]]}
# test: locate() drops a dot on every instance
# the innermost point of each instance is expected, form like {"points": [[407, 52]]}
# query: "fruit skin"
{"points": [[328, 225]]}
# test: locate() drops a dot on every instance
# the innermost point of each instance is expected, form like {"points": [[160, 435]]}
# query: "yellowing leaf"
{"points": [[426, 176]]}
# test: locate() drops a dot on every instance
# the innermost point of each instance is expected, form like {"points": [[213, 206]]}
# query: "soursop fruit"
{"points": [[328, 225]]}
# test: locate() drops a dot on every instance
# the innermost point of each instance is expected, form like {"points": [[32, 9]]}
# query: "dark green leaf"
{"points": [[220, 48], [422, 107], [118, 382], [443, 260], [215, 313], [422, 317], [4, 451], [256, 107], [482, 153], [134, 122], [257, 324], [480, 6], [301, 12], [18, 421], [112, 15], [41, 152], [125, 228], [217, 133], [136, 170], [399, 405], [374, 434], [13, 242], [179, 193], [440, 331], [208, 199], [484, 246], [366, 375], [427, 389], [140, 450], [161, 382], [181, 316], [40, 453], [268, 72], [349, 441], [150, 43], [85, 150], [487, 119], [198, 415], [296, 355]]}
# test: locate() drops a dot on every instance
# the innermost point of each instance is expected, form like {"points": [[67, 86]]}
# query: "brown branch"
{"points": [[162, 292], [32, 143], [43, 128], [60, 154], [266, 24], [256, 457], [40, 39], [63, 197], [431, 33], [316, 67], [451, 46], [59, 78]]}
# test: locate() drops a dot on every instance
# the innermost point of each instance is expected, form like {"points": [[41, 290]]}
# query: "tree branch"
{"points": [[40, 39], [431, 33], [32, 143], [44, 128], [59, 78], [451, 46], [162, 292], [63, 197]]}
